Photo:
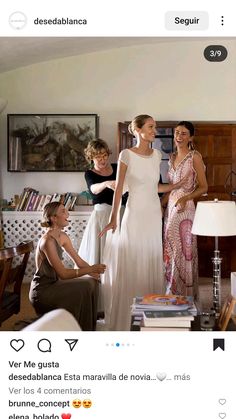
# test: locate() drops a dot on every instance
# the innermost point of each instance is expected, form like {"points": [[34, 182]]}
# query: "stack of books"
{"points": [[164, 312], [30, 200]]}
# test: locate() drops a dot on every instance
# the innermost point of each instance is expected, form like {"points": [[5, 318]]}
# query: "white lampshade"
{"points": [[215, 218], [3, 104]]}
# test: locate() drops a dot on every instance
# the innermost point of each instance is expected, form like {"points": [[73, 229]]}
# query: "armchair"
{"points": [[13, 262]]}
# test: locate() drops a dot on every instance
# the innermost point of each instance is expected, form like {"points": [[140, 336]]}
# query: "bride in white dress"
{"points": [[134, 254]]}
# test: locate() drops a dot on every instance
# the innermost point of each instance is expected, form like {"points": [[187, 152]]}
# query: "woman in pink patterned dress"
{"points": [[180, 246]]}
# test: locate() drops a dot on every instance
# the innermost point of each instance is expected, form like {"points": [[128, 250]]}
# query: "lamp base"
{"points": [[216, 260]]}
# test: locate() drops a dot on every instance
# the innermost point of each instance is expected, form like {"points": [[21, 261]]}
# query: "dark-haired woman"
{"points": [[55, 286], [135, 264], [180, 246]]}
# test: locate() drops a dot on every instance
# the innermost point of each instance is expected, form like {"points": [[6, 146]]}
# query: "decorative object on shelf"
{"points": [[49, 142], [215, 218], [85, 198], [3, 104]]}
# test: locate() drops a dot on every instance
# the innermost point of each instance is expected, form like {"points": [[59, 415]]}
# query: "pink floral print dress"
{"points": [[180, 245]]}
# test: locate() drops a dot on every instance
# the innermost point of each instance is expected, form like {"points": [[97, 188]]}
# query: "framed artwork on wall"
{"points": [[164, 143], [49, 142]]}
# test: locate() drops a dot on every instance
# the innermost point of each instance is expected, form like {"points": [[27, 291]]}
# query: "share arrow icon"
{"points": [[72, 343]]}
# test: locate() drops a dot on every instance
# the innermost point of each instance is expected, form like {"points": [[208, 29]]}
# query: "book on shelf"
{"points": [[36, 203], [32, 200], [22, 199], [25, 199], [41, 203], [73, 201], [167, 319], [47, 200], [56, 197]]}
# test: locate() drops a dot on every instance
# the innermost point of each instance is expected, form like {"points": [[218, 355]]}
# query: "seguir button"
{"points": [[186, 21]]}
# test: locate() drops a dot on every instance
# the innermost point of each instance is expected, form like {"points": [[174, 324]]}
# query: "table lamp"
{"points": [[217, 219]]}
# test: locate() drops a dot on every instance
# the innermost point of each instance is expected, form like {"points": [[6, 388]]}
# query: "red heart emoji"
{"points": [[66, 415]]}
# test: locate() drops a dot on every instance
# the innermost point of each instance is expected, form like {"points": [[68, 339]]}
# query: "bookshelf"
{"points": [[18, 226]]}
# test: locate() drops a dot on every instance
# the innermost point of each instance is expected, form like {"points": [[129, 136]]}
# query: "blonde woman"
{"points": [[55, 286], [139, 259]]}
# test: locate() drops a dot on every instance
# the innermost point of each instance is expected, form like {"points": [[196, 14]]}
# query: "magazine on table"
{"points": [[164, 303]]}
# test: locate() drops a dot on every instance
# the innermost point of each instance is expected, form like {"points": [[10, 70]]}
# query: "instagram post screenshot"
{"points": [[117, 210]]}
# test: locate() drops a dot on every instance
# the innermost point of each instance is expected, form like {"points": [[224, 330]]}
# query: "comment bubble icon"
{"points": [[44, 345]]}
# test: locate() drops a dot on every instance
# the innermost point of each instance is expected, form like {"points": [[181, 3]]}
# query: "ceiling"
{"points": [[19, 52]]}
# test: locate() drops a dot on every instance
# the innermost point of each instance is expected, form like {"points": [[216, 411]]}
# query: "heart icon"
{"points": [[222, 401], [161, 376], [17, 344], [66, 415], [222, 415]]}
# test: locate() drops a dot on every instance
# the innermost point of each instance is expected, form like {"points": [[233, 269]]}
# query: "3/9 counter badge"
{"points": [[215, 53]]}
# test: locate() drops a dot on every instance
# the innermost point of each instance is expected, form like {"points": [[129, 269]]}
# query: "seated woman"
{"points": [[54, 285]]}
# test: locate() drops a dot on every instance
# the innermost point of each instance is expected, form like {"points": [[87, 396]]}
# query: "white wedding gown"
{"points": [[133, 255]]}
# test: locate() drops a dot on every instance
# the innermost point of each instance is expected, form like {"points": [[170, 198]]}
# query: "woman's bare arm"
{"points": [[48, 247], [97, 188], [121, 172]]}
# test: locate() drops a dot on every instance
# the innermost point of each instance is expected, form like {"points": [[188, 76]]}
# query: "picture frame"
{"points": [[163, 142], [164, 145], [49, 142]]}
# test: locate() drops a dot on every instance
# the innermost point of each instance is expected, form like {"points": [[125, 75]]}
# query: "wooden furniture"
{"points": [[216, 141], [13, 263], [226, 313]]}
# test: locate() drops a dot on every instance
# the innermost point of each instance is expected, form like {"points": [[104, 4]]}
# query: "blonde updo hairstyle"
{"points": [[49, 211], [138, 122], [94, 148]]}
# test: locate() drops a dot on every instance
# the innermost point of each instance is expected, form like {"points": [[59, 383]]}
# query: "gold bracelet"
{"points": [[77, 272]]}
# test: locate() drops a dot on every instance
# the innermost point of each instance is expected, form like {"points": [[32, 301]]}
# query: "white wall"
{"points": [[169, 80]]}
